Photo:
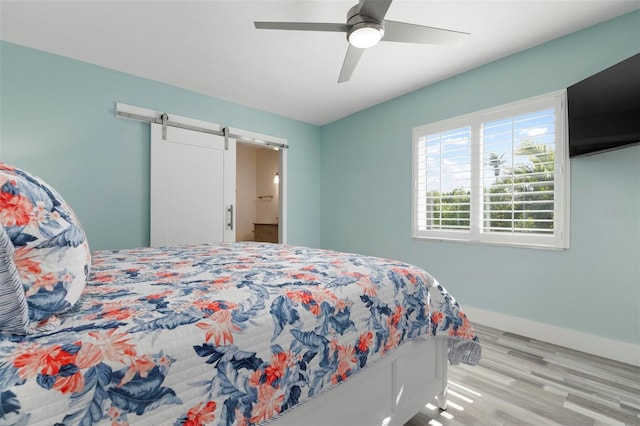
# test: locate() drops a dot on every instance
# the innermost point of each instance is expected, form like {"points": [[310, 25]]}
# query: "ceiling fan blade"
{"points": [[350, 62], [411, 33], [302, 26], [375, 9]]}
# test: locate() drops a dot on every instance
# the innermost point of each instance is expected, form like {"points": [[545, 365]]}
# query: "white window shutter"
{"points": [[498, 178]]}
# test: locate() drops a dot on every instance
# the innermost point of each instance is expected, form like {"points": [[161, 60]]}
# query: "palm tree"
{"points": [[531, 187], [542, 158]]}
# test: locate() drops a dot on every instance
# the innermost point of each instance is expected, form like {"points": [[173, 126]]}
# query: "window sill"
{"points": [[493, 243]]}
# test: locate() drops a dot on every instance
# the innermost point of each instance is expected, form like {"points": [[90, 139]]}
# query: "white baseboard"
{"points": [[592, 344]]}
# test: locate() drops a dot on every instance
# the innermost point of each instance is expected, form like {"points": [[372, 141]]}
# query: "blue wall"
{"points": [[593, 287], [58, 121]]}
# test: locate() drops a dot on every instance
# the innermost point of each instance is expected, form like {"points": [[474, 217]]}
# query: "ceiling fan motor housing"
{"points": [[364, 31]]}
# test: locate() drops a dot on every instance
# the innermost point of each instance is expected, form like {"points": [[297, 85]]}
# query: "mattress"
{"points": [[221, 334]]}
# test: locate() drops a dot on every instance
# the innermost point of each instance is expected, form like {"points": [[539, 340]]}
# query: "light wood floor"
{"points": [[522, 381]]}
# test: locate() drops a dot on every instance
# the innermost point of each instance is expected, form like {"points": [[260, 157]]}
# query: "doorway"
{"points": [[258, 197]]}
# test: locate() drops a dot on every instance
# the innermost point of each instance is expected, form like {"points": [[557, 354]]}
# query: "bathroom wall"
{"points": [[255, 170], [267, 167], [246, 167]]}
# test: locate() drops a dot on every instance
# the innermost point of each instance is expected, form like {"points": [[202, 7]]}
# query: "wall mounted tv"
{"points": [[604, 109]]}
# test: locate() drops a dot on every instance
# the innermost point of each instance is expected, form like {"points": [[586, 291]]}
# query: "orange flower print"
{"points": [[303, 297], [325, 295], [393, 340], [303, 277], [141, 365], [346, 360], [365, 341], [222, 283], [165, 361], [436, 317], [22, 256], [254, 379], [465, 330], [213, 305], [114, 413], [112, 346], [120, 310], [368, 287], [201, 415], [157, 296], [88, 356], [341, 305], [279, 364], [268, 404], [394, 319], [16, 209], [165, 274], [45, 281], [238, 266], [37, 359], [407, 274], [313, 298], [219, 327], [120, 314], [69, 384]]}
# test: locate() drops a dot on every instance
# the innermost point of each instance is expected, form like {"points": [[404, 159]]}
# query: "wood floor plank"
{"points": [[522, 381]]}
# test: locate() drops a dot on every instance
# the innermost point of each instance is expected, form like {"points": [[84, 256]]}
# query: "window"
{"points": [[497, 176]]}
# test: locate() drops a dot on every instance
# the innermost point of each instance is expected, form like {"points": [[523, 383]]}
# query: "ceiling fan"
{"points": [[366, 26]]}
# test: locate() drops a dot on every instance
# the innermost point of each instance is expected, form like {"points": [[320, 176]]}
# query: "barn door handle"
{"points": [[230, 223]]}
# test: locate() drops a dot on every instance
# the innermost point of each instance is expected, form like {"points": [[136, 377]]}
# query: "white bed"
{"points": [[211, 334]]}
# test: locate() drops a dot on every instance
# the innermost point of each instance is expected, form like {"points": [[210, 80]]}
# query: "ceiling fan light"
{"points": [[365, 35]]}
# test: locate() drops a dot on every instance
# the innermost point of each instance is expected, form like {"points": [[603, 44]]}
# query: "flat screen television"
{"points": [[604, 109]]}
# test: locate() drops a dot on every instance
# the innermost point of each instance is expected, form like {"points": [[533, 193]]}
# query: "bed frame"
{"points": [[388, 393]]}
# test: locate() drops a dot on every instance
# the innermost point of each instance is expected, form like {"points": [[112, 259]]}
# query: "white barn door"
{"points": [[192, 187]]}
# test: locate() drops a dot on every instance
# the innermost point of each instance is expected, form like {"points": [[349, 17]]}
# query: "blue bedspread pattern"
{"points": [[224, 334]]}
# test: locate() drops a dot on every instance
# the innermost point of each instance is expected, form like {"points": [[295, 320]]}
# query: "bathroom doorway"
{"points": [[258, 186]]}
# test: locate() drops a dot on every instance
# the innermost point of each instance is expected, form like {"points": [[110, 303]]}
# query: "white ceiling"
{"points": [[212, 47]]}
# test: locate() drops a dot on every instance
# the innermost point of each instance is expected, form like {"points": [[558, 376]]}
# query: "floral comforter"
{"points": [[224, 334]]}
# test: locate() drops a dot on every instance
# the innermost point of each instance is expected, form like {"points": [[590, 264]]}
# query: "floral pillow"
{"points": [[51, 250]]}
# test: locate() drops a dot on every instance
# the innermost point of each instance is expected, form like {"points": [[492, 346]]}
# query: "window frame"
{"points": [[559, 239]]}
